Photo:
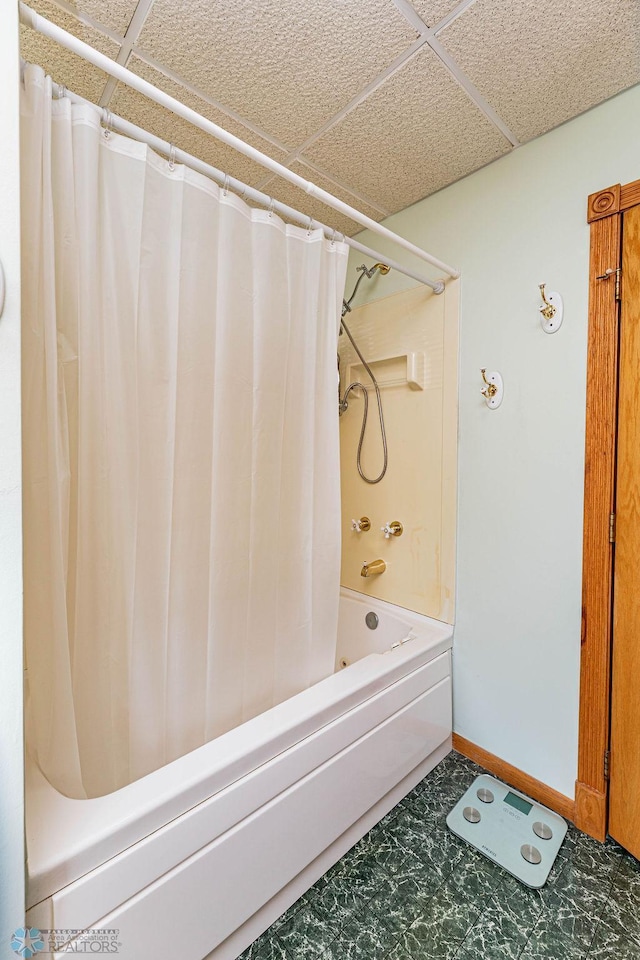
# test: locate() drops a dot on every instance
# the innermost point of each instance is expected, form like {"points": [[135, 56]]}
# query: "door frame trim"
{"points": [[604, 215]]}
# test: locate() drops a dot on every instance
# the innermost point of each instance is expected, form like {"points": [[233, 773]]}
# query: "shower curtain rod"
{"points": [[40, 24], [119, 125]]}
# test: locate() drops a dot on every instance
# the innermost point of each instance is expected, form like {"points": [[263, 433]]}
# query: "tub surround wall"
{"points": [[419, 486], [11, 670], [509, 227]]}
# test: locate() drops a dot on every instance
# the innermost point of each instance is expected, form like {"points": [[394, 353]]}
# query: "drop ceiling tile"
{"points": [[115, 14], [65, 67], [433, 11], [285, 66], [145, 113], [297, 198], [412, 136], [539, 64]]}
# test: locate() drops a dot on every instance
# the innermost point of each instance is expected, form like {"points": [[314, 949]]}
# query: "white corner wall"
{"points": [[515, 224], [11, 741]]}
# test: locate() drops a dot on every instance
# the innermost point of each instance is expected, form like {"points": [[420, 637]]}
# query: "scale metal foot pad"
{"points": [[512, 830]]}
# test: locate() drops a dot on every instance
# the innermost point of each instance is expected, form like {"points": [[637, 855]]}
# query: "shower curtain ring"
{"points": [[225, 188], [62, 91], [333, 237], [271, 203], [310, 226], [107, 120], [172, 156]]}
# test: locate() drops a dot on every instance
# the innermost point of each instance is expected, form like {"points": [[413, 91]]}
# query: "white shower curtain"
{"points": [[181, 470]]}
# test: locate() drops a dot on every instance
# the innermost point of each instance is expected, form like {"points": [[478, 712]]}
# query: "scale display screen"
{"points": [[515, 801]]}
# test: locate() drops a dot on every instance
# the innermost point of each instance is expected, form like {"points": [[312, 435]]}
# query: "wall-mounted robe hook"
{"points": [[551, 310], [494, 389]]}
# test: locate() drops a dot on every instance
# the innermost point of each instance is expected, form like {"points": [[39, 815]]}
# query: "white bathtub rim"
{"points": [[60, 828]]}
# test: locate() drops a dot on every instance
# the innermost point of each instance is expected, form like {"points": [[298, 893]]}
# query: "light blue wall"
{"points": [[509, 227]]}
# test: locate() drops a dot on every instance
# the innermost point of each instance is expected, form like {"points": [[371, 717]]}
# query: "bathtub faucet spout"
{"points": [[373, 568]]}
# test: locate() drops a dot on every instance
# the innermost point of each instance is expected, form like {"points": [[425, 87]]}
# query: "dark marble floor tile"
{"points": [[441, 850], [621, 914], [442, 926], [397, 952], [561, 916], [548, 944], [411, 828], [418, 944], [496, 935], [266, 947], [475, 876], [560, 864], [399, 911], [522, 905], [607, 945], [627, 875], [364, 936], [352, 889], [595, 858], [424, 874], [586, 890], [488, 950], [308, 934]]}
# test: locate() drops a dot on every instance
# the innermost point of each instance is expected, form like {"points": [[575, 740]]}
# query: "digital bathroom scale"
{"points": [[512, 830]]}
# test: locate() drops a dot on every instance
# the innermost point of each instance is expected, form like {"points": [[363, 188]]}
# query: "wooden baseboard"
{"points": [[516, 778], [591, 811]]}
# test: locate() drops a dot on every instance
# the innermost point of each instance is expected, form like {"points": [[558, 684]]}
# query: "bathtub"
{"points": [[198, 858]]}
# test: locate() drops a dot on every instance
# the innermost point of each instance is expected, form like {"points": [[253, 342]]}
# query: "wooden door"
{"points": [[624, 786]]}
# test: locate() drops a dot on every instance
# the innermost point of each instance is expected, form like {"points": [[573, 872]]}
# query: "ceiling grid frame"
{"points": [[430, 35], [190, 88], [141, 13], [88, 21], [433, 36]]}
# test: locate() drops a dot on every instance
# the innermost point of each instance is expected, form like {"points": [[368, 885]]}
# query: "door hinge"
{"points": [[617, 273], [612, 528], [607, 764]]}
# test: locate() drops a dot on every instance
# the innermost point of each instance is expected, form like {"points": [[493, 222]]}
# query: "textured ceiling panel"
{"points": [[133, 106], [65, 67], [414, 135], [115, 14], [299, 200], [541, 63], [285, 66], [433, 11]]}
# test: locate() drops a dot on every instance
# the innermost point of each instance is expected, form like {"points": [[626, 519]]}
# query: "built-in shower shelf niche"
{"points": [[405, 369]]}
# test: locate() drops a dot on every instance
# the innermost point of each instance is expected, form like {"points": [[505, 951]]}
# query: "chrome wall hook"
{"points": [[493, 390], [551, 310]]}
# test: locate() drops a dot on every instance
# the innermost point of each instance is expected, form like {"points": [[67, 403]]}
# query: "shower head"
{"points": [[367, 272]]}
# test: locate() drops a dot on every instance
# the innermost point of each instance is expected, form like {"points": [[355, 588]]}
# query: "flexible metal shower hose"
{"points": [[383, 434]]}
